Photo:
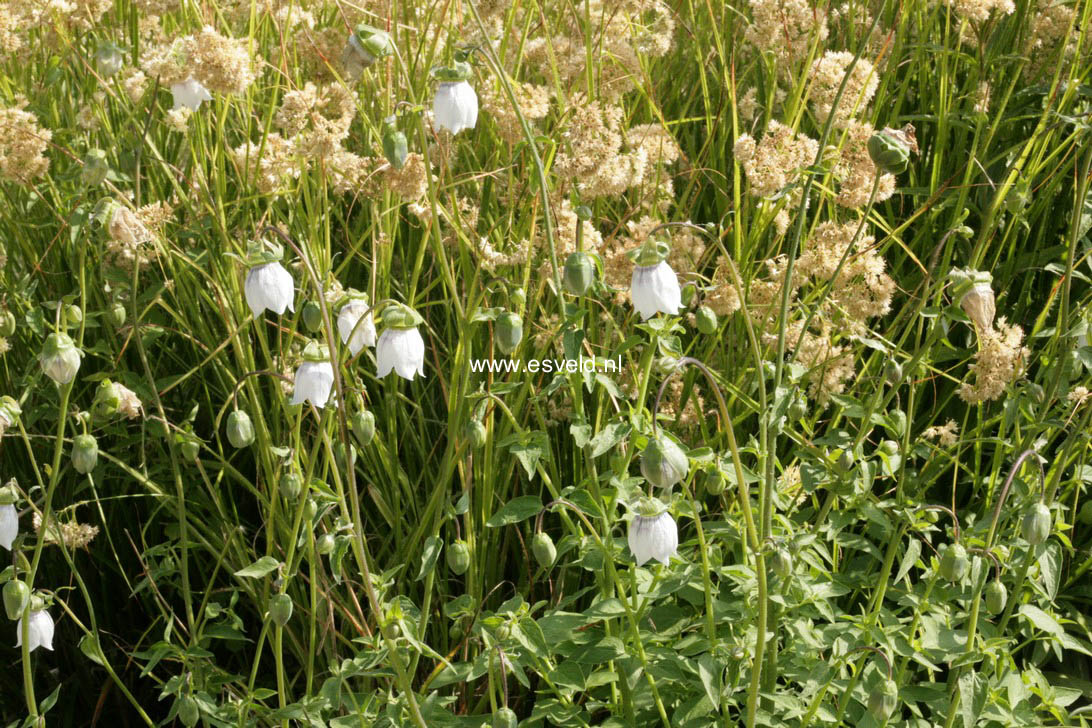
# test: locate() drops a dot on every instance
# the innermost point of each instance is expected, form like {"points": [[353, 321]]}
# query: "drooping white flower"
{"points": [[653, 537], [39, 631], [655, 289], [455, 106], [189, 94], [9, 525], [60, 359], [355, 325], [314, 378], [269, 285], [400, 346]]}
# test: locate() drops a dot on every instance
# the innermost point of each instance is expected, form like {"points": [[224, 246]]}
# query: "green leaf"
{"points": [[90, 648], [913, 551], [1042, 620], [431, 554], [259, 568], [516, 510], [608, 437]]}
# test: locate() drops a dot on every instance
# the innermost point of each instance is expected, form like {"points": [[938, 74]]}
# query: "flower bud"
{"points": [[1085, 514], [95, 169], [954, 563], [73, 315], [504, 718], [890, 448], [579, 273], [312, 316], [7, 323], [980, 305], [395, 145], [280, 609], [240, 430], [663, 463], [542, 546], [107, 400], [518, 297], [116, 315], [290, 485], [707, 320], [363, 424], [188, 712], [345, 456], [798, 409], [85, 453], [325, 544], [715, 482], [458, 558], [509, 332], [890, 149], [109, 59], [1036, 525], [996, 597], [689, 290], [781, 562], [16, 598], [9, 413], [366, 46], [60, 359], [883, 700], [475, 433]]}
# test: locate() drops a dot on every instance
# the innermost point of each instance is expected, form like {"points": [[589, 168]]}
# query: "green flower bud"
{"points": [[894, 372], [996, 597], [1085, 514], [325, 544], [542, 546], [890, 448], [73, 315], [715, 482], [798, 409], [663, 463], [504, 718], [395, 145], [345, 456], [280, 609], [240, 430], [954, 563], [16, 598], [883, 700], [519, 297], [107, 400], [1036, 525], [60, 359], [85, 453], [475, 433], [290, 485], [363, 424], [503, 631], [310, 509], [9, 412], [890, 149], [116, 315], [458, 558], [95, 169], [190, 446], [707, 320], [109, 59], [312, 316], [845, 461], [579, 273], [686, 295], [7, 323], [509, 332], [781, 562]]}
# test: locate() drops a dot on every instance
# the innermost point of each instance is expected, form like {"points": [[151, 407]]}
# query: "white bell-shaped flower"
{"points": [[189, 94], [270, 286], [39, 631], [355, 325], [455, 106], [400, 346], [314, 378], [653, 537], [60, 359], [9, 525], [655, 289]]}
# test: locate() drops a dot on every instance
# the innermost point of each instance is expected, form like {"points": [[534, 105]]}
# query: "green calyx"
{"points": [[650, 253], [57, 344], [8, 496], [395, 144], [316, 352], [401, 316], [459, 71], [104, 212], [9, 410], [890, 149], [965, 279], [373, 41], [650, 508], [261, 252]]}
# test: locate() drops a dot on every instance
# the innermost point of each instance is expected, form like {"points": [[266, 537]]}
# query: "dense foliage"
{"points": [[822, 268]]}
